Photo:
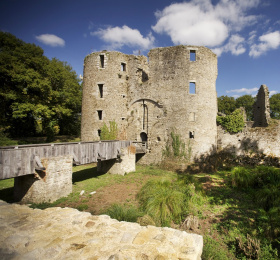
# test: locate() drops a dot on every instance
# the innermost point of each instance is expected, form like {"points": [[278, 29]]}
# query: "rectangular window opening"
{"points": [[99, 132], [101, 61], [100, 87], [192, 88], [191, 134], [192, 55], [99, 112], [123, 67]]}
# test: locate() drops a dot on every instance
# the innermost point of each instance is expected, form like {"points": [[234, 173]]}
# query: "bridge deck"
{"points": [[24, 159]]}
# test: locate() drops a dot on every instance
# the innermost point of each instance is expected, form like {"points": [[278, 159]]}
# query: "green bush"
{"points": [[233, 123], [109, 133], [242, 177], [6, 141], [164, 201], [122, 213]]}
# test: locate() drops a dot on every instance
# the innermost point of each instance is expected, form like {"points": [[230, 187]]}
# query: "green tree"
{"points": [[226, 104], [246, 101], [38, 95], [275, 106]]}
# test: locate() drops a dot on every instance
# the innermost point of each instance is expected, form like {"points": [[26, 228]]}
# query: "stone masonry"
{"points": [[262, 108], [48, 185], [66, 233], [148, 99]]}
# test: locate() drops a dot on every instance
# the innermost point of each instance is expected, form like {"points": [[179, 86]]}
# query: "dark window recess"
{"points": [[101, 61], [191, 134], [192, 55], [99, 132], [123, 67], [99, 112], [100, 87], [192, 88]]}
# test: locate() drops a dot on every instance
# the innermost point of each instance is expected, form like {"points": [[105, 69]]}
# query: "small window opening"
{"points": [[123, 118], [99, 132], [158, 138], [101, 61], [99, 112], [192, 55], [123, 67], [191, 134], [192, 88], [100, 87]]}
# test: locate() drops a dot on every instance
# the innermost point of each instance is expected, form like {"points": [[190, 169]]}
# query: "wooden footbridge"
{"points": [[21, 160]]}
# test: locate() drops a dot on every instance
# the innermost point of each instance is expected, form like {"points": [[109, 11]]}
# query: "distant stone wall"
{"points": [[251, 140], [48, 185], [66, 233]]}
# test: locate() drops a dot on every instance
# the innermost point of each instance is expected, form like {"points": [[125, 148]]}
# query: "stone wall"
{"points": [[251, 140], [48, 185], [152, 99], [65, 233]]}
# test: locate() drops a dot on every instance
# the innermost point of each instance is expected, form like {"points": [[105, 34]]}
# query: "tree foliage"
{"points": [[246, 101], [233, 123], [275, 106], [226, 105], [38, 95]]}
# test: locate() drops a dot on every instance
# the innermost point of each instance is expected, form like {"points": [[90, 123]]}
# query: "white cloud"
{"points": [[273, 92], [117, 37], [235, 45], [51, 39], [248, 91], [199, 22], [267, 42]]}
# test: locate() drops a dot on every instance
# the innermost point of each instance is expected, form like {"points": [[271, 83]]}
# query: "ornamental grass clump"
{"points": [[164, 201]]}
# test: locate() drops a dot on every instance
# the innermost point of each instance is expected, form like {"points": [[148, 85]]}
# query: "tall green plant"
{"points": [[164, 201], [109, 133]]}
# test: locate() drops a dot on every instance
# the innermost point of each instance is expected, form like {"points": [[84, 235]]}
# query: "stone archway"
{"points": [[144, 137]]}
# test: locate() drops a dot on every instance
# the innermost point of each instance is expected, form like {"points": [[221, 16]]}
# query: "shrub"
{"points": [[242, 177], [164, 201], [109, 133], [233, 123]]}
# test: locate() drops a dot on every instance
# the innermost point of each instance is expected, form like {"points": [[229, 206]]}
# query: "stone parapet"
{"points": [[66, 233]]}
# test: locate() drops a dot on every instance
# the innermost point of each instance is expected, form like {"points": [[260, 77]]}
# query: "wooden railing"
{"points": [[141, 147], [25, 159]]}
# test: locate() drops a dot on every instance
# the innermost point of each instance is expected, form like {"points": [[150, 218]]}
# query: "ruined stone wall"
{"points": [[262, 108], [149, 100], [66, 233], [251, 140]]}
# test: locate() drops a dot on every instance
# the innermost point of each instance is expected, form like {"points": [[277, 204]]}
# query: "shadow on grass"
{"points": [[85, 174]]}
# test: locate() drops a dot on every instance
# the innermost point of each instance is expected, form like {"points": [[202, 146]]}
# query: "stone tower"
{"points": [[174, 91], [262, 108]]}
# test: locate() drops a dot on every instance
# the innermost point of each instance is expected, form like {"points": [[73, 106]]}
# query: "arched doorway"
{"points": [[143, 137]]}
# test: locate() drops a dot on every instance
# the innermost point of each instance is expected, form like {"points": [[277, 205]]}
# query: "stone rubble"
{"points": [[66, 233]]}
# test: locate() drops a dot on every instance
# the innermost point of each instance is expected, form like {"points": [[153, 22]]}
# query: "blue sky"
{"points": [[245, 34]]}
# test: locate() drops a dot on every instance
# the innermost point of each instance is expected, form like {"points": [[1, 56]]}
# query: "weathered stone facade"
{"points": [[262, 108], [65, 233], [173, 91]]}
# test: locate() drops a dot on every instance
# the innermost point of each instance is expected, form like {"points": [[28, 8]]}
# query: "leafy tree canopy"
{"points": [[275, 106], [37, 95], [232, 123], [246, 101], [226, 105]]}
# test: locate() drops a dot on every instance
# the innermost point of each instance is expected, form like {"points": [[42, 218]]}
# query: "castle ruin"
{"points": [[173, 90]]}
